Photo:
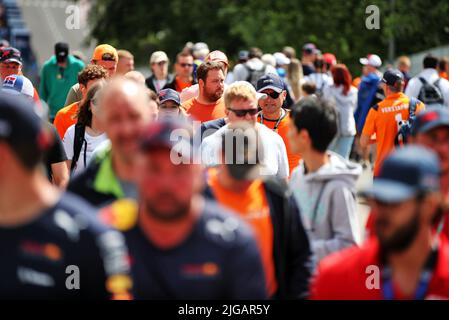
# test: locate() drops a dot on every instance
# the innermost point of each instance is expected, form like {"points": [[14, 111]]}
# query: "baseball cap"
{"points": [[405, 173], [309, 48], [61, 51], [10, 54], [270, 81], [217, 56], [372, 60], [22, 129], [391, 76], [169, 95], [103, 49], [329, 58], [281, 59], [170, 133], [430, 119], [243, 55], [17, 84], [158, 56]]}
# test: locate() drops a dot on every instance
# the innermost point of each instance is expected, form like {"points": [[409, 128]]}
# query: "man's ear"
{"points": [[430, 206]]}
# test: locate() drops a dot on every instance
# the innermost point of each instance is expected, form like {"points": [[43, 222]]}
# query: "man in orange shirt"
{"points": [[183, 73], [273, 115], [209, 104], [86, 78], [385, 118], [269, 210]]}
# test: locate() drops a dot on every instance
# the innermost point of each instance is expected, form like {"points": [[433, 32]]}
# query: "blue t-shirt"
{"points": [[218, 260]]}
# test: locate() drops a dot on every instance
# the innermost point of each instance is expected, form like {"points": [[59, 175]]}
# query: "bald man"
{"points": [[124, 112]]}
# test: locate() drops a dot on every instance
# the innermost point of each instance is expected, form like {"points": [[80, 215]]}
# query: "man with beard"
{"points": [[123, 106], [405, 260], [209, 104], [182, 246]]}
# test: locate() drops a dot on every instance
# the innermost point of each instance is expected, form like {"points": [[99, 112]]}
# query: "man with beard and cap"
{"points": [[183, 246], [405, 260]]}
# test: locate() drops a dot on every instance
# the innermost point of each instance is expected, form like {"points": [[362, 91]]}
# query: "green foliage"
{"points": [[231, 25]]}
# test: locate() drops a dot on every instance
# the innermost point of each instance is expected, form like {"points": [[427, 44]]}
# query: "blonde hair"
{"points": [[295, 77], [239, 90]]}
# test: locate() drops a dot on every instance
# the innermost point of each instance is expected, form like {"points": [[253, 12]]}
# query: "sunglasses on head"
{"points": [[242, 113], [273, 94]]}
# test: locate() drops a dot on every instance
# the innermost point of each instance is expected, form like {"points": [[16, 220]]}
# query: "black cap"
{"points": [[405, 173], [61, 51], [22, 129], [392, 76], [10, 54], [170, 133], [430, 119]]}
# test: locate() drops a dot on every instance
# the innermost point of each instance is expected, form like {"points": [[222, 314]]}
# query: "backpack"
{"points": [[77, 144], [430, 93], [254, 75], [405, 127]]}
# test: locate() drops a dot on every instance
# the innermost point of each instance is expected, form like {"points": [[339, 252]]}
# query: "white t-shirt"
{"points": [[275, 162], [86, 153]]}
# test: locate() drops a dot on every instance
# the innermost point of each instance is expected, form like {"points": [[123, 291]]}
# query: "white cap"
{"points": [[372, 60], [158, 56], [18, 84], [281, 59]]}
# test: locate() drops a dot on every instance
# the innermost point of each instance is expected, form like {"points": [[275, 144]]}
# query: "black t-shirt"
{"points": [[307, 69], [56, 154], [63, 247], [218, 260]]}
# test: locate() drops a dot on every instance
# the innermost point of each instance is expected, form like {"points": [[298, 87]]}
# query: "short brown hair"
{"points": [[91, 72], [183, 54], [204, 68]]}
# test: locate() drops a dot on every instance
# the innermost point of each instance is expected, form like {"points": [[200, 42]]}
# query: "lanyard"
{"points": [[283, 114], [424, 280]]}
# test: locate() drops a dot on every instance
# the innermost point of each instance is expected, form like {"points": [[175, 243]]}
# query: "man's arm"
{"points": [[43, 92], [60, 173]]}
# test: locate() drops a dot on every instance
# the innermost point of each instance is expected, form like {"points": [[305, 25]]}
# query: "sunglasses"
{"points": [[186, 65], [273, 94], [242, 113]]}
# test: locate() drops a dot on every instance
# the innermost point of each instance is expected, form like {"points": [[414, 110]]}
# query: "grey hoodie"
{"points": [[334, 224]]}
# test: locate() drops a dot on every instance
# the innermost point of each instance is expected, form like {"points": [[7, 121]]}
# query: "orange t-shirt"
{"points": [[205, 112], [356, 82], [181, 85], [65, 118], [282, 130], [252, 206], [384, 123]]}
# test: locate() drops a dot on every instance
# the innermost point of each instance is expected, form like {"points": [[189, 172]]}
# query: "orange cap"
{"points": [[103, 49]]}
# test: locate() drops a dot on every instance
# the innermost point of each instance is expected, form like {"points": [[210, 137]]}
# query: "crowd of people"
{"points": [[223, 180]]}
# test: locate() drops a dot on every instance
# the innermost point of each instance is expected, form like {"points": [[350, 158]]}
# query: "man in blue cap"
{"points": [[431, 129], [405, 260]]}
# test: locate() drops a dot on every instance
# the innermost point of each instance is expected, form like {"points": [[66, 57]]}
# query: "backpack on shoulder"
{"points": [[430, 93], [254, 75]]}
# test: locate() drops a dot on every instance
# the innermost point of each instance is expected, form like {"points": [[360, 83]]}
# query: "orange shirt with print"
{"points": [[252, 206], [65, 118], [181, 85], [384, 123], [204, 112], [282, 130]]}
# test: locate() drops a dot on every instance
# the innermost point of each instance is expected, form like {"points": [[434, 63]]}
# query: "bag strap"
{"points": [[77, 144], [413, 103], [317, 203]]}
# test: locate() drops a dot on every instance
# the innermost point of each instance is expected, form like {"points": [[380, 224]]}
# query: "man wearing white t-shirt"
{"points": [[241, 105]]}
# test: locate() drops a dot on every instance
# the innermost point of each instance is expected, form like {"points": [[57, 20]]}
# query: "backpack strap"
{"points": [[375, 107], [423, 81], [413, 103], [77, 144]]}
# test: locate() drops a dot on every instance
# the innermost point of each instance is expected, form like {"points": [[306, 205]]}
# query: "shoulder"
{"points": [[188, 103], [122, 214], [224, 228], [76, 217], [70, 131]]}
